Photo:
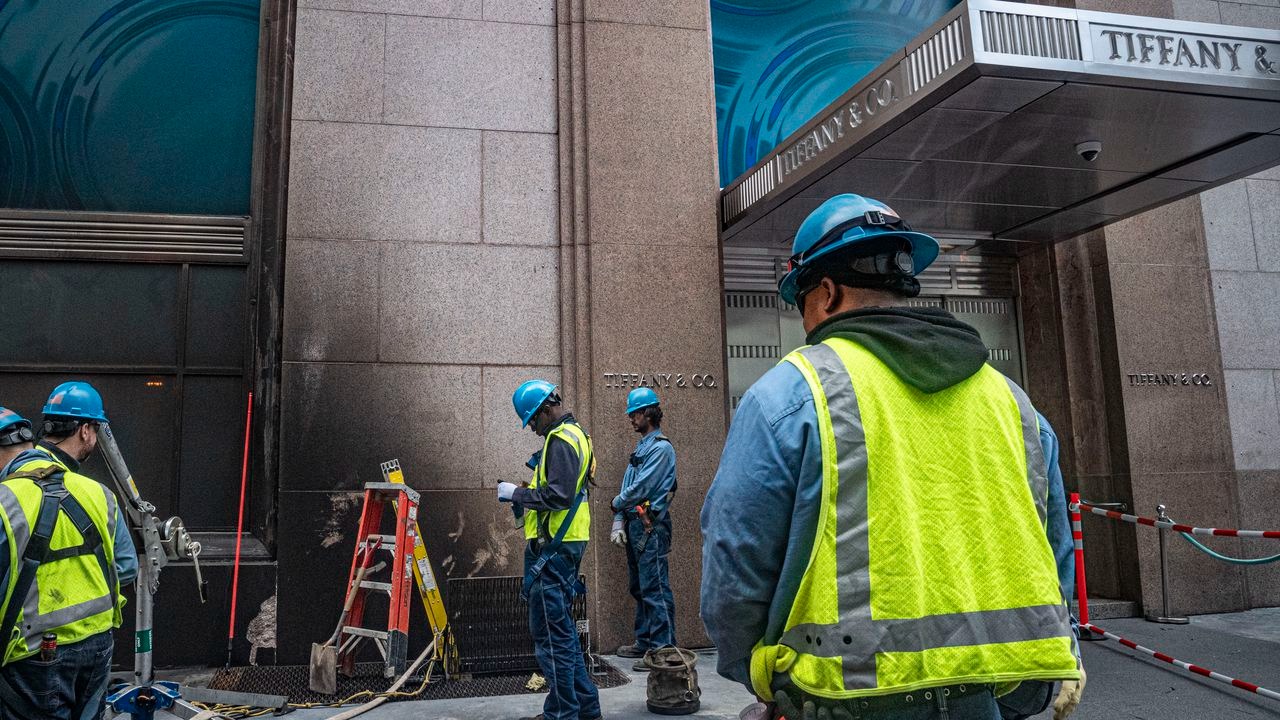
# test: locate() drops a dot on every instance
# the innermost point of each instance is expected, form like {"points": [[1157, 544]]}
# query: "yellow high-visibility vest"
{"points": [[580, 528], [930, 566], [71, 597]]}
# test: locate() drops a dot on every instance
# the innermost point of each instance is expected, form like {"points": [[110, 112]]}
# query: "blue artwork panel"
{"points": [[133, 105], [778, 62]]}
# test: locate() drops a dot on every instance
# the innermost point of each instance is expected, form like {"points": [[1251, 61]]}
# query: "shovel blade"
{"points": [[324, 669]]}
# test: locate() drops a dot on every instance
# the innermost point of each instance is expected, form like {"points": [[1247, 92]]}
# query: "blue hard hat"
{"points": [[846, 220], [14, 428], [76, 399], [529, 397], [640, 398]]}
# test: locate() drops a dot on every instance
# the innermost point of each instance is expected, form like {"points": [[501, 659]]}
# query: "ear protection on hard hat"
{"points": [[898, 262], [858, 226], [14, 428], [18, 433]]}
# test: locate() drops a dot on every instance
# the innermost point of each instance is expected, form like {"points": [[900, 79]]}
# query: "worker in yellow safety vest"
{"points": [[65, 552], [875, 538], [557, 526]]}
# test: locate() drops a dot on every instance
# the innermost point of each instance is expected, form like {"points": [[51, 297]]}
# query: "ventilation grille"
{"points": [[754, 352], [939, 54], [925, 302], [979, 307], [1030, 35], [121, 236], [757, 185], [752, 272], [751, 269], [999, 354], [750, 300]]}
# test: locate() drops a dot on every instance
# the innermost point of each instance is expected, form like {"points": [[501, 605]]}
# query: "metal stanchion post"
{"points": [[1164, 616]]}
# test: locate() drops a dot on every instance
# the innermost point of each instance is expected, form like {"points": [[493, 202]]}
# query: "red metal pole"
{"points": [[1077, 537], [244, 481]]}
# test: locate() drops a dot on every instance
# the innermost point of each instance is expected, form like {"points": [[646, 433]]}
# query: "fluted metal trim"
{"points": [[126, 236]]}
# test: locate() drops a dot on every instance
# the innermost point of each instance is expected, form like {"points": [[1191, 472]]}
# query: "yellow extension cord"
{"points": [[249, 711]]}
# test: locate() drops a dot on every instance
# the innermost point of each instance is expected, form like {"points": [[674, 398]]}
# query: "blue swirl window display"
{"points": [[133, 105], [778, 62]]}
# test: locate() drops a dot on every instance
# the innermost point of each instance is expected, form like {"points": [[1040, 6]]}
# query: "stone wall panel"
{"points": [[483, 305], [338, 63], [483, 75], [331, 301], [383, 182]]}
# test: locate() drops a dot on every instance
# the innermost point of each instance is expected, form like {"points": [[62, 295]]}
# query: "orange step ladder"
{"points": [[392, 643]]}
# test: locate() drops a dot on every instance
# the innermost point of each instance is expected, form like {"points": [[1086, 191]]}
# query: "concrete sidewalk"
{"points": [[1122, 683]]}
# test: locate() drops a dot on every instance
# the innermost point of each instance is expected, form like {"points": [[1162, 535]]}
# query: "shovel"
{"points": [[324, 656]]}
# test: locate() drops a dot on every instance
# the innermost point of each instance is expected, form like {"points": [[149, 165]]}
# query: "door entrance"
{"points": [[760, 329]]}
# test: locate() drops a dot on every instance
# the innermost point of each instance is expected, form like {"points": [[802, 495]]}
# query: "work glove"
{"points": [[616, 535], [784, 706], [505, 491], [1068, 697]]}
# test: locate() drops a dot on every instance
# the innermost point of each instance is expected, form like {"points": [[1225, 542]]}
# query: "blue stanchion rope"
{"points": [[1219, 556]]}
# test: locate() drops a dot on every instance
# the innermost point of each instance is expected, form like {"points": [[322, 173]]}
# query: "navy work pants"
{"points": [[649, 581], [72, 686], [572, 695]]}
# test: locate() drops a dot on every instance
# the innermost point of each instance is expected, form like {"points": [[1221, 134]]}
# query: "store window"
{"points": [[128, 106]]}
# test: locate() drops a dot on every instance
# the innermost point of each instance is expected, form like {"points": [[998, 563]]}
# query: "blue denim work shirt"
{"points": [[652, 479], [760, 517]]}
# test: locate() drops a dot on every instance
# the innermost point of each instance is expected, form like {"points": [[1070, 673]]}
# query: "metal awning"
{"points": [[972, 130]]}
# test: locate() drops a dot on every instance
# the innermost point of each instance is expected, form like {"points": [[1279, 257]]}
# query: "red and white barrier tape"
{"points": [[1243, 685], [1138, 519]]}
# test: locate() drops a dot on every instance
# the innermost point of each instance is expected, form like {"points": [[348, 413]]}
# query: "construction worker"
{"points": [[66, 552], [874, 539], [642, 525], [557, 526]]}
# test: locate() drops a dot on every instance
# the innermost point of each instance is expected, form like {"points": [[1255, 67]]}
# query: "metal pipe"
{"points": [[1164, 617]]}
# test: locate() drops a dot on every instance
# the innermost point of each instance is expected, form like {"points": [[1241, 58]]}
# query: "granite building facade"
{"points": [[451, 196]]}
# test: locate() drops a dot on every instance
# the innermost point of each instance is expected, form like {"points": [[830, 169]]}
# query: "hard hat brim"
{"points": [[924, 250]]}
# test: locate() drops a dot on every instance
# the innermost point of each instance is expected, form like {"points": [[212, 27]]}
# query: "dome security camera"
{"points": [[1089, 150]]}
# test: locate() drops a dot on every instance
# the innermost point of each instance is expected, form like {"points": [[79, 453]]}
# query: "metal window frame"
{"points": [[206, 240]]}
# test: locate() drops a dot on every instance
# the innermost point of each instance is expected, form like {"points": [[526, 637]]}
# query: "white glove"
{"points": [[1068, 697], [505, 491], [616, 535]]}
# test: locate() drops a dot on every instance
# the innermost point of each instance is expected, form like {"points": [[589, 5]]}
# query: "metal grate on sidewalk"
{"points": [[291, 681]]}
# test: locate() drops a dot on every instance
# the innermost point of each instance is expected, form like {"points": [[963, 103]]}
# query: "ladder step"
{"points": [[364, 632], [388, 541], [371, 585]]}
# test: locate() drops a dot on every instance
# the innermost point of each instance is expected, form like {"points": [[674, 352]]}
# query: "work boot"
{"points": [[630, 651]]}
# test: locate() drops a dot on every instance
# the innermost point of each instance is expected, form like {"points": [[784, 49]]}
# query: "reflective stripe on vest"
{"points": [[897, 594], [580, 528], [78, 601]]}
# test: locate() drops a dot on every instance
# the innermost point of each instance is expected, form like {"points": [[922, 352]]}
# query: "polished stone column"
{"points": [[640, 265]]}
